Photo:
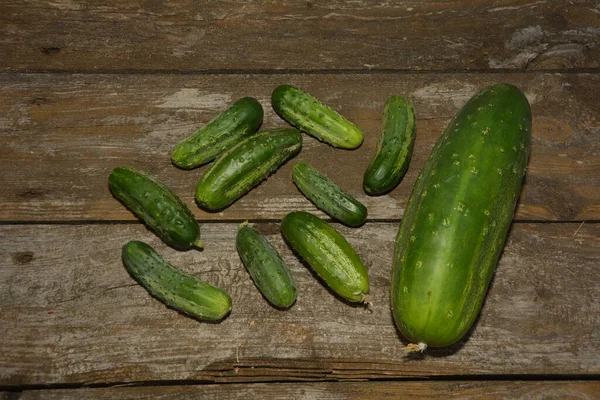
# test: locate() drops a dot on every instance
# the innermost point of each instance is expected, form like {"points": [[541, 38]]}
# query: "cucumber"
{"points": [[458, 216], [308, 114], [394, 147], [172, 286], [157, 206], [230, 126], [328, 196], [245, 165], [328, 254], [268, 271]]}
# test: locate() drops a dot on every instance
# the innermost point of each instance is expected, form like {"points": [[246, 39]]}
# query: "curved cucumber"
{"points": [[268, 271], [328, 196], [157, 206], [394, 147], [172, 286], [309, 115], [328, 254], [230, 126], [245, 165], [458, 216]]}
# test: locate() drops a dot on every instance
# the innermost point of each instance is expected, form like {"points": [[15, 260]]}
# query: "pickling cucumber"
{"points": [[172, 286], [458, 216], [268, 271], [308, 114], [328, 196], [245, 165], [394, 147], [157, 206], [229, 127], [328, 254]]}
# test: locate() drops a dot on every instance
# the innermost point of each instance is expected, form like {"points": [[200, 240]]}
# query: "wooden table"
{"points": [[87, 86]]}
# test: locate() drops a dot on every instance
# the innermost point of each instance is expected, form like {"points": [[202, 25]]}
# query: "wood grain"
{"points": [[70, 313], [558, 390], [307, 35], [62, 134]]}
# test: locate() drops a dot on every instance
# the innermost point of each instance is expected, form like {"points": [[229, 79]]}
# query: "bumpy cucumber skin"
{"points": [[241, 119], [328, 254], [458, 216], [268, 271], [394, 147], [308, 114], [328, 196], [157, 206], [172, 286], [245, 165]]}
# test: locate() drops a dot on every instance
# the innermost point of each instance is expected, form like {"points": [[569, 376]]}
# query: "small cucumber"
{"points": [[245, 165], [328, 254], [309, 115], [458, 216], [157, 206], [172, 286], [328, 196], [268, 271], [394, 147], [230, 126]]}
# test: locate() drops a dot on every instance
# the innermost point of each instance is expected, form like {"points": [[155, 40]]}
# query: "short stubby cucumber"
{"points": [[328, 254], [245, 165], [309, 115], [157, 206], [229, 127], [328, 196], [268, 271], [172, 286], [458, 216], [394, 147]]}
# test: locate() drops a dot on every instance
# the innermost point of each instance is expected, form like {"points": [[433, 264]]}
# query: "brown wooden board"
{"points": [[563, 390], [70, 313], [62, 134], [307, 35]]}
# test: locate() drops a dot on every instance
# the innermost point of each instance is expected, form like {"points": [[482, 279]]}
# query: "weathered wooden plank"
{"points": [[266, 35], [564, 390], [70, 313], [62, 134]]}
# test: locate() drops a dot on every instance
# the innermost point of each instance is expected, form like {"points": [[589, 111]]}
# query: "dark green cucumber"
{"points": [[229, 127], [458, 216], [394, 147], [245, 165], [328, 254], [328, 196], [172, 286], [309, 115], [157, 206], [268, 271]]}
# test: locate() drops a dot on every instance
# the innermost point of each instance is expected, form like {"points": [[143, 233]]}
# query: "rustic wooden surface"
{"points": [[73, 315], [238, 35], [86, 86], [71, 130], [559, 390]]}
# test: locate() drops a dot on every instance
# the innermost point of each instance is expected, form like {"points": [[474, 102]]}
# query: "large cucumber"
{"points": [[245, 165], [241, 119], [458, 216], [172, 286], [308, 114], [328, 254], [268, 271], [328, 196], [394, 147], [157, 206]]}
